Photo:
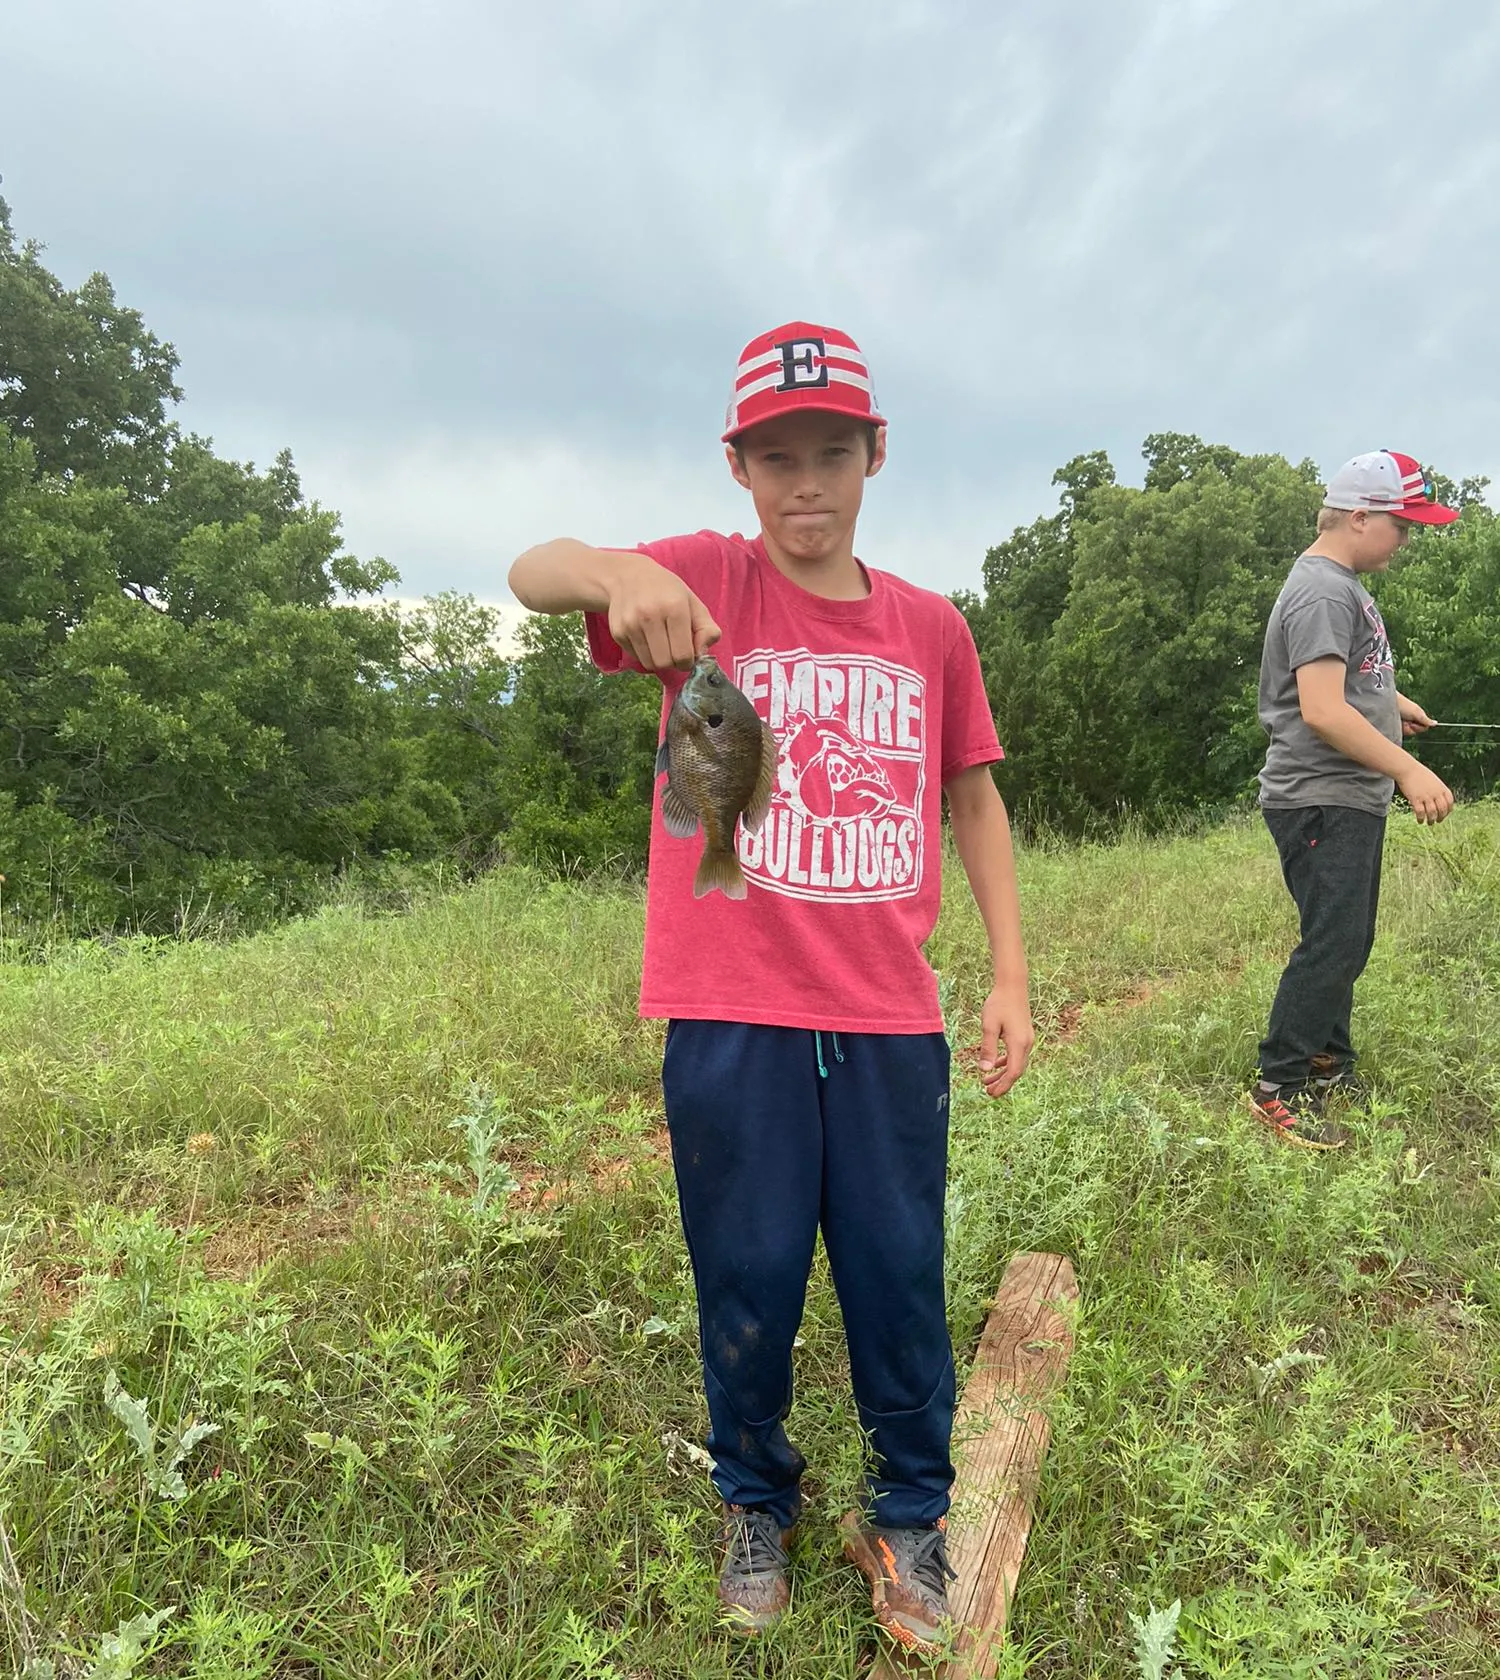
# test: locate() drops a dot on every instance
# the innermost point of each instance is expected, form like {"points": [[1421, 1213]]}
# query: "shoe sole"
{"points": [[1291, 1137], [746, 1623], [858, 1551]]}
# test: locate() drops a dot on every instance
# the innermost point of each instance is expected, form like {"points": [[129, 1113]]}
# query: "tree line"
{"points": [[206, 702]]}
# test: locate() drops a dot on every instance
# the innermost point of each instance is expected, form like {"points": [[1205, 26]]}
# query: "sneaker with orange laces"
{"points": [[908, 1572], [1296, 1116]]}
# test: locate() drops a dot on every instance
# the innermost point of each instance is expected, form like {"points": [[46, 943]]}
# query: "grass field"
{"points": [[384, 1201]]}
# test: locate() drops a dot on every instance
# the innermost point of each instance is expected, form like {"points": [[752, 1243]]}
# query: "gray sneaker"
{"points": [[754, 1591], [908, 1572]]}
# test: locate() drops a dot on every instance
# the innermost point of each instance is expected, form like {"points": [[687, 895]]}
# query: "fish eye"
{"points": [[714, 678]]}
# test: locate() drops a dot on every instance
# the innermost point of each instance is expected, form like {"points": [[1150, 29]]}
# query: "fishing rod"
{"points": [[1436, 725]]}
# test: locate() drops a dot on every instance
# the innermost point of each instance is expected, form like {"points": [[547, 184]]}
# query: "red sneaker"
{"points": [[1297, 1117]]}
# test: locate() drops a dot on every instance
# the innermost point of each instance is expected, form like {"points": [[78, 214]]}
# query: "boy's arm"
{"points": [[652, 612], [1320, 693], [981, 831]]}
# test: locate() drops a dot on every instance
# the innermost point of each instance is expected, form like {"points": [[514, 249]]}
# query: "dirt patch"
{"points": [[289, 1225], [1063, 1025], [1068, 1022], [539, 1189], [241, 1248], [1065, 1028], [54, 1292]]}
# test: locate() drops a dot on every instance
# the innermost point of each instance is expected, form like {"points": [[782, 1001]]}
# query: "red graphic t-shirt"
{"points": [[875, 704]]}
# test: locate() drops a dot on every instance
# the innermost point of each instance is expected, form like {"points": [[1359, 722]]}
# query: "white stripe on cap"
{"points": [[772, 358], [772, 381]]}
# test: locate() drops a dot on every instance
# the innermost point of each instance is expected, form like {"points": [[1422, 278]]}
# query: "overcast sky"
{"points": [[486, 268]]}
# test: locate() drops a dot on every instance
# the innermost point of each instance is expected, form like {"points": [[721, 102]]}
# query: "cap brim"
{"points": [[1428, 513], [803, 406]]}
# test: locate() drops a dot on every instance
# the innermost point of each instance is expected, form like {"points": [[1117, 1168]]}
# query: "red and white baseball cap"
{"points": [[1385, 482], [800, 366]]}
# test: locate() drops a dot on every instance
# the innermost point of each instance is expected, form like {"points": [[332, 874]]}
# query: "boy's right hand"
{"points": [[1428, 795], [655, 616]]}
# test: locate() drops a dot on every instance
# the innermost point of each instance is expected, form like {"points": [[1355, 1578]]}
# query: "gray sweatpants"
{"points": [[1330, 860]]}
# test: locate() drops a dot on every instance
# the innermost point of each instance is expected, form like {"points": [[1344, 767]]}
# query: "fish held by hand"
{"points": [[720, 762]]}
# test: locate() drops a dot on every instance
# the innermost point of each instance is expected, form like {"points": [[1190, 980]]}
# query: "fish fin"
{"points": [[663, 760], [765, 783], [719, 869], [678, 817]]}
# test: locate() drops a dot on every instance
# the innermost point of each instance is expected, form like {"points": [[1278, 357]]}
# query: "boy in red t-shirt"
{"points": [[806, 1071]]}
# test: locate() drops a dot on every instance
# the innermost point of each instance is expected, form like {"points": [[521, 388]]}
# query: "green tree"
{"points": [[456, 684], [1026, 584], [81, 379], [233, 731], [576, 773], [1121, 637], [192, 701]]}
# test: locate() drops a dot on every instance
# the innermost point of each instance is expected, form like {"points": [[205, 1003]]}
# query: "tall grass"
{"points": [[383, 1199]]}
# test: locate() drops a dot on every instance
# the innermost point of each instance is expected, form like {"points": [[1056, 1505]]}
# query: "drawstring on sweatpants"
{"points": [[838, 1052]]}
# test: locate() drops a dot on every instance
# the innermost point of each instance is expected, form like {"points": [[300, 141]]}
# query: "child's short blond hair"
{"points": [[1330, 519]]}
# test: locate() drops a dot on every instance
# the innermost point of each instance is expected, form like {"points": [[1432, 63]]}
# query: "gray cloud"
{"points": [[485, 268]]}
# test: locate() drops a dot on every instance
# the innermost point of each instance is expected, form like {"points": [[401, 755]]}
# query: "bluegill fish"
{"points": [[720, 764]]}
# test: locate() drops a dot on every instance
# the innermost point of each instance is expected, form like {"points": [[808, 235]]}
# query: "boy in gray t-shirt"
{"points": [[1329, 702]]}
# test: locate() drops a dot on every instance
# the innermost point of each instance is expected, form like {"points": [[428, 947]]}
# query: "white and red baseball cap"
{"points": [[1385, 482], [800, 366]]}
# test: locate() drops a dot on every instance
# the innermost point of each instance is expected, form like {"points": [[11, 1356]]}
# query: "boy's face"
{"points": [[806, 474], [1379, 538]]}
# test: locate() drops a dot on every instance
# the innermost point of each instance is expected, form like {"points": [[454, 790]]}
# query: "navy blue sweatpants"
{"points": [[777, 1131]]}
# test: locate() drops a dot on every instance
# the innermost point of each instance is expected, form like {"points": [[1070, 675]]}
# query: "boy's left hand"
{"points": [[1005, 1039]]}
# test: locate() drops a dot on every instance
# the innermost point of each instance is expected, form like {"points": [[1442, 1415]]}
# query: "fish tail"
{"points": [[719, 868]]}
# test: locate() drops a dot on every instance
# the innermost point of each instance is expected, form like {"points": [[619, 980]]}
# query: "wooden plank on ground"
{"points": [[1000, 1434]]}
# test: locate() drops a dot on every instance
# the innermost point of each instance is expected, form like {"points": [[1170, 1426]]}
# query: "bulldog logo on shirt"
{"points": [[826, 772], [846, 817]]}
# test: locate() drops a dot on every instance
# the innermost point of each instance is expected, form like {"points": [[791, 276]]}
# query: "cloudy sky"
{"points": [[485, 267]]}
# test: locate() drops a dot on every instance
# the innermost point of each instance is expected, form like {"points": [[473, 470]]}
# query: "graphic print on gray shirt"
{"points": [[1324, 610]]}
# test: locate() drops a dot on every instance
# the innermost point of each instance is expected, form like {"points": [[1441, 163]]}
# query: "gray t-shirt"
{"points": [[1323, 609]]}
